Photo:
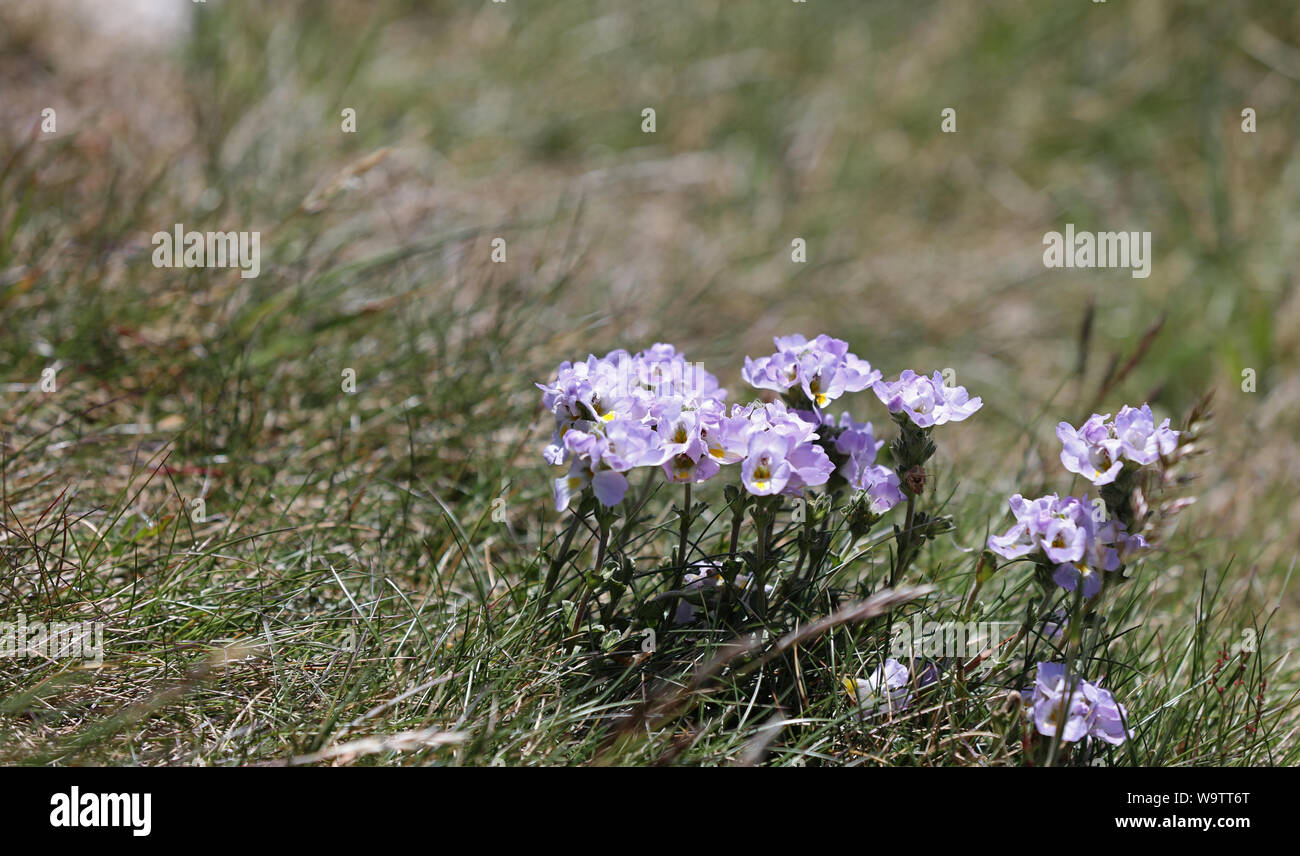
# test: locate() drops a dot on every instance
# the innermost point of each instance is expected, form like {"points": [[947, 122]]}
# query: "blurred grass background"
{"points": [[475, 120]]}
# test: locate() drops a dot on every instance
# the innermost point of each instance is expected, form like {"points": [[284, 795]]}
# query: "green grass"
{"points": [[348, 580]]}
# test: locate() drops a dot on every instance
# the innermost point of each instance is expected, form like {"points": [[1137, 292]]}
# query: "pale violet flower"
{"points": [[1106, 716], [1141, 440], [631, 444], [887, 689], [1099, 448], [1024, 537], [822, 369], [926, 400], [1091, 451], [1077, 710], [781, 453], [880, 484], [1063, 533], [766, 470], [1057, 707], [857, 441]]}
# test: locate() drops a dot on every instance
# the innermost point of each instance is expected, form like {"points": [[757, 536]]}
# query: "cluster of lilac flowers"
{"points": [[927, 401], [1066, 532], [857, 442], [654, 409], [1081, 545], [1082, 709], [1098, 449], [1070, 537], [811, 374], [623, 411], [816, 372]]}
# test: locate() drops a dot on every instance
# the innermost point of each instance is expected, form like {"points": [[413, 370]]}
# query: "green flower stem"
{"points": [[683, 539], [1074, 637], [588, 588], [905, 542], [760, 567], [557, 561]]}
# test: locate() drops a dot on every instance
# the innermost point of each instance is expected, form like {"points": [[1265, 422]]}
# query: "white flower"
{"points": [[887, 689]]}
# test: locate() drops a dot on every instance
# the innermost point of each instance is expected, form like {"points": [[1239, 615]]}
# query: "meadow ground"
{"points": [[288, 570]]}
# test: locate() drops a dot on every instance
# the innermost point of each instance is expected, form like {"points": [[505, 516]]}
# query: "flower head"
{"points": [[1106, 716], [1090, 450], [887, 689], [1099, 448], [766, 470], [926, 400], [1141, 440], [1064, 533], [781, 452], [858, 443], [1057, 707], [1075, 708], [622, 411], [822, 369]]}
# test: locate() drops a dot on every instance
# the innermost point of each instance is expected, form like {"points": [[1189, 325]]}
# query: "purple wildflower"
{"points": [[926, 400], [857, 441], [1065, 534], [1142, 442], [823, 369], [881, 486], [1057, 707], [1081, 709], [1024, 537], [781, 452], [1106, 716], [1091, 451], [631, 444], [1098, 449], [766, 470], [854, 438]]}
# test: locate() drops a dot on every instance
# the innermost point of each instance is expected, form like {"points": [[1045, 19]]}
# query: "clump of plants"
{"points": [[807, 493]]}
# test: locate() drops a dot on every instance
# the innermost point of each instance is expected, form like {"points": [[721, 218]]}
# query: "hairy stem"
{"points": [[905, 540], [737, 518]]}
